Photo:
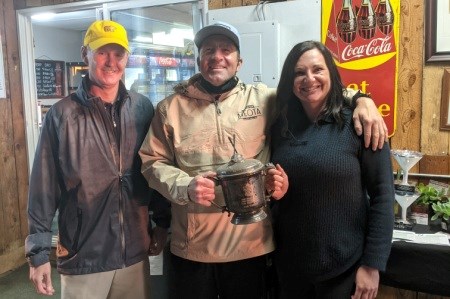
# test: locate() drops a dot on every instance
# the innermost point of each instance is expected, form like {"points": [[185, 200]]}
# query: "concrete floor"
{"points": [[16, 285]]}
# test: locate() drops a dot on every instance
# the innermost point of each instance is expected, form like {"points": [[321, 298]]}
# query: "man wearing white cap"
{"points": [[187, 141], [87, 166]]}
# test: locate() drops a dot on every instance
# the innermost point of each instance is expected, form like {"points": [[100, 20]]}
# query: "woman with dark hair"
{"points": [[334, 225]]}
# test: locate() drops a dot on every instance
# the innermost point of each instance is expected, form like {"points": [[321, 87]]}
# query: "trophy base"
{"points": [[248, 218], [399, 224]]}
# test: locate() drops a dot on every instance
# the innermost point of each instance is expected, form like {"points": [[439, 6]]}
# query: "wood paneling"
{"points": [[428, 296], [231, 3], [434, 164], [249, 2], [17, 113], [434, 141], [214, 4], [13, 163], [14, 258], [10, 210], [407, 134], [385, 292]]}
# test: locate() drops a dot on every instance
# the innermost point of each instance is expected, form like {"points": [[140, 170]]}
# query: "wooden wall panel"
{"points": [[8, 187], [214, 4], [12, 259], [12, 148], [17, 113], [231, 3], [428, 296], [407, 134], [430, 164], [433, 141], [249, 2], [385, 292]]}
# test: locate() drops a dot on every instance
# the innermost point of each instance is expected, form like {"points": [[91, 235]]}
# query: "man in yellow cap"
{"points": [[87, 166]]}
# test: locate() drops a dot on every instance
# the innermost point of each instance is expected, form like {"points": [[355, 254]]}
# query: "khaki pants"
{"points": [[131, 282]]}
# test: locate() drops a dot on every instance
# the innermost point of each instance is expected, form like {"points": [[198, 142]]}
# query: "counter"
{"points": [[419, 267]]}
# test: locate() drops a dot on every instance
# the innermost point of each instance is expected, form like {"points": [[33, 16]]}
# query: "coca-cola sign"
{"points": [[357, 30], [376, 46], [362, 36], [168, 61]]}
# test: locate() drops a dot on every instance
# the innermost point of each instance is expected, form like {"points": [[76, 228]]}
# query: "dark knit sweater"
{"points": [[326, 222]]}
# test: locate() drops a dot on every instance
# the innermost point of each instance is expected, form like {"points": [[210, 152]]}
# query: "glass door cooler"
{"points": [[155, 74]]}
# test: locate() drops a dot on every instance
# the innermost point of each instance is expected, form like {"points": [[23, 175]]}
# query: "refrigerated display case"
{"points": [[155, 74], [142, 19], [75, 73]]}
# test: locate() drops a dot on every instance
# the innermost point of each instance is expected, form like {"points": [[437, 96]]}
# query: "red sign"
{"points": [[168, 61], [362, 36]]}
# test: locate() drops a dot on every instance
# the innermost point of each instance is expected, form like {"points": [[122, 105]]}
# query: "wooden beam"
{"points": [[231, 3], [8, 181], [17, 113], [410, 75], [12, 259], [214, 4]]}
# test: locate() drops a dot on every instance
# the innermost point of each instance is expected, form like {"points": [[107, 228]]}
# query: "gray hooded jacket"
{"points": [[94, 181]]}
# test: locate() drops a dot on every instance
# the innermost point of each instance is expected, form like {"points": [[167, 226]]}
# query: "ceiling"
{"points": [[76, 20], [147, 19]]}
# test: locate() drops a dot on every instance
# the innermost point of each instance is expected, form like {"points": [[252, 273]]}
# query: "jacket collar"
{"points": [[86, 98], [193, 89]]}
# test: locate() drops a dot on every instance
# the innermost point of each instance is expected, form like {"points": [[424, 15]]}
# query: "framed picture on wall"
{"points": [[437, 33]]}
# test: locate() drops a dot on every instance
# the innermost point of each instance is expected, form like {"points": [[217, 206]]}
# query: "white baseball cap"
{"points": [[218, 28]]}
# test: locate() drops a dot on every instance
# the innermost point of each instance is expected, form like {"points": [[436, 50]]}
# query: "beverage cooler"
{"points": [[155, 73]]}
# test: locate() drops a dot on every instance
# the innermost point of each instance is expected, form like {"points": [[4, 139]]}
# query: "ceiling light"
{"points": [[43, 16], [143, 39]]}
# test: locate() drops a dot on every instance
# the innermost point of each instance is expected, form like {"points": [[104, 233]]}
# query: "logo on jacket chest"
{"points": [[249, 112]]}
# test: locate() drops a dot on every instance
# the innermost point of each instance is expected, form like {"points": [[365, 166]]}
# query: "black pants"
{"points": [[340, 287], [244, 279]]}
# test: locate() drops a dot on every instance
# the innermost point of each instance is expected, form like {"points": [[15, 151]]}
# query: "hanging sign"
{"points": [[49, 78], [363, 37]]}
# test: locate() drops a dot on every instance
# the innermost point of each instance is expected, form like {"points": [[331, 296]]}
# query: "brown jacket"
{"points": [[190, 135]]}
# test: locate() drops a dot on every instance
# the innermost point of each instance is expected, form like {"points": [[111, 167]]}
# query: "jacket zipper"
{"points": [[120, 174], [218, 112], [121, 216], [122, 232], [216, 104], [114, 116]]}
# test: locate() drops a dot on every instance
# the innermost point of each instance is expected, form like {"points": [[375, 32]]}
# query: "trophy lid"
{"points": [[238, 165]]}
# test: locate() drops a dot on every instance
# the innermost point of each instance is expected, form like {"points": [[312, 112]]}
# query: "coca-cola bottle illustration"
{"points": [[366, 20], [346, 22], [384, 16]]}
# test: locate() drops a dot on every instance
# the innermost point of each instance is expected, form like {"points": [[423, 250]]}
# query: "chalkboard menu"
{"points": [[49, 78]]}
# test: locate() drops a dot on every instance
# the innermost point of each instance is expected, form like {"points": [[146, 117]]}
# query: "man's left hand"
{"points": [[367, 118], [158, 240]]}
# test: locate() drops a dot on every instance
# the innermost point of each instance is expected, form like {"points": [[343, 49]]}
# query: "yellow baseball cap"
{"points": [[105, 32]]}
